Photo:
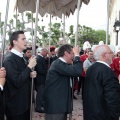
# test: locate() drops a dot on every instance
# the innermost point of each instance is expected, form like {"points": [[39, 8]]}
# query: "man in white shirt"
{"points": [[58, 91], [18, 77], [89, 61]]}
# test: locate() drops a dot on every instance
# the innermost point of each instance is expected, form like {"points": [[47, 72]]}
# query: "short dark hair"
{"points": [[81, 52], [64, 48], [14, 36], [90, 51], [24, 51]]}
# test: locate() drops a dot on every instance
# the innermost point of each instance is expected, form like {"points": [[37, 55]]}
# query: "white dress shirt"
{"points": [[1, 87], [20, 54]]}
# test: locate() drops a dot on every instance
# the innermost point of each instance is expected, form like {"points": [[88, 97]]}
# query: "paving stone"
{"points": [[77, 113]]}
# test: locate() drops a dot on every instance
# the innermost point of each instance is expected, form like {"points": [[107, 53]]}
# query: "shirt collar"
{"points": [[62, 59], [20, 54], [103, 63], [40, 55]]}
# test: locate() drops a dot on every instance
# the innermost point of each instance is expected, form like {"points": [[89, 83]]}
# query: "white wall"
{"points": [[114, 16]]}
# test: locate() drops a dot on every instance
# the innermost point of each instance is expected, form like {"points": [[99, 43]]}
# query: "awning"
{"points": [[53, 7]]}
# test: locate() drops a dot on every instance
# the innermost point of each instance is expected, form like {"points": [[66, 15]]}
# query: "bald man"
{"points": [[101, 99]]}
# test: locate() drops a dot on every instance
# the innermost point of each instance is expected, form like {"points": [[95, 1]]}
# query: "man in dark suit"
{"points": [[18, 82], [54, 56], [41, 69], [27, 54], [58, 85], [2, 82], [101, 100]]}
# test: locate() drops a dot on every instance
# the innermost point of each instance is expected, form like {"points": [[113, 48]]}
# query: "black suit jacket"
{"points": [[53, 58], [101, 100], [1, 106], [18, 85], [41, 69], [58, 93]]}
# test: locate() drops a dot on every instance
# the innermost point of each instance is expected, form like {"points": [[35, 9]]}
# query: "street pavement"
{"points": [[77, 113]]}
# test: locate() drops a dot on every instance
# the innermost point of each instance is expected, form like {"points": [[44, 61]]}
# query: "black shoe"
{"points": [[39, 111], [74, 97]]}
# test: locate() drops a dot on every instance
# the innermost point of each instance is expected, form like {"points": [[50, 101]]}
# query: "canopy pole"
{"points": [[4, 32], [16, 17], [76, 39], [1, 26], [50, 33], [34, 53], [64, 27], [49, 41], [76, 33], [32, 26], [107, 28]]}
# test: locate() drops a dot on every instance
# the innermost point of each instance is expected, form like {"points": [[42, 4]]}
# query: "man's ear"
{"points": [[65, 53], [104, 55], [14, 42]]}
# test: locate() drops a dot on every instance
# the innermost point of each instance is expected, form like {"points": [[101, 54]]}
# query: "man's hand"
{"points": [[2, 72], [119, 79], [32, 62], [33, 74], [76, 50], [2, 81]]}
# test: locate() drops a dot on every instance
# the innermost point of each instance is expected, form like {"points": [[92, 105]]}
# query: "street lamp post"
{"points": [[117, 29], [117, 37]]}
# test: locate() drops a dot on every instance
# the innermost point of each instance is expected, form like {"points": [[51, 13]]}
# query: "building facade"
{"points": [[114, 16]]}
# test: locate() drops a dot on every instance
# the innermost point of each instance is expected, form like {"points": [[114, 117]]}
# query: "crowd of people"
{"points": [[56, 73]]}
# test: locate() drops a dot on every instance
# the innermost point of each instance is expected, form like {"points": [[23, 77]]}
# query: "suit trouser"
{"points": [[24, 116], [56, 116], [1, 106], [83, 80], [1, 112], [39, 97], [79, 84]]}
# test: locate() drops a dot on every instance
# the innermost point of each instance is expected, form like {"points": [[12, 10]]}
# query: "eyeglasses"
{"points": [[109, 52]]}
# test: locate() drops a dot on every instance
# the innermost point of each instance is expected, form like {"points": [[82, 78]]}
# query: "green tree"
{"points": [[55, 33], [87, 34], [100, 35]]}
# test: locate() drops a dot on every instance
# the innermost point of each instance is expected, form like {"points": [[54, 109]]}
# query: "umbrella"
{"points": [[53, 7]]}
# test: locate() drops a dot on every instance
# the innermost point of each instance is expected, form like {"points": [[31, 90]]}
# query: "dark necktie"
{"points": [[25, 61]]}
